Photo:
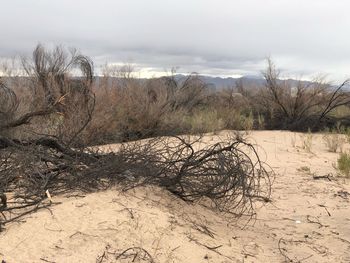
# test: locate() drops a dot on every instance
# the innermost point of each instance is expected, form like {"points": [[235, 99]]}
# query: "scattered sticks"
{"points": [[314, 220], [132, 253], [283, 251]]}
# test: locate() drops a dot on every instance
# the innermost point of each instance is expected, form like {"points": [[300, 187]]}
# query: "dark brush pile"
{"points": [[223, 172]]}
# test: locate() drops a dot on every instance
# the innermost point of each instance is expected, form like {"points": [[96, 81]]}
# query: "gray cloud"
{"points": [[222, 37]]}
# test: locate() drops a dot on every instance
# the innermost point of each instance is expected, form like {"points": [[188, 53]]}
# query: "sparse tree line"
{"points": [[165, 106], [120, 107]]}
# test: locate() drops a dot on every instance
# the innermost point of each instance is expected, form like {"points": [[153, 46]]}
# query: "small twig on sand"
{"points": [[318, 177], [284, 254], [100, 258], [316, 221], [281, 250], [129, 210], [325, 209], [81, 233], [212, 248], [203, 229], [43, 259], [136, 252]]}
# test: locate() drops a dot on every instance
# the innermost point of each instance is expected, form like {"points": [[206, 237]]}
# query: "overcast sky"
{"points": [[216, 37]]}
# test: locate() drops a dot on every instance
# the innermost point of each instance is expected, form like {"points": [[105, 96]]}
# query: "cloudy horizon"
{"points": [[217, 38]]}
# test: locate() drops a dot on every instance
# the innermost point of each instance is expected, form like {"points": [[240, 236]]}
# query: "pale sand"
{"points": [[308, 220]]}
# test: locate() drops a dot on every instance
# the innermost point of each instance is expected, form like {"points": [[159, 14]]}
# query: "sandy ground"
{"points": [[308, 220]]}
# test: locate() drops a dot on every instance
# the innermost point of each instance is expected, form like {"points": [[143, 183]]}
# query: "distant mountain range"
{"points": [[219, 82], [248, 81]]}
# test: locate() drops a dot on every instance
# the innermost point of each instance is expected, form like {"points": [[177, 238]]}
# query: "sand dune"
{"points": [[308, 219]]}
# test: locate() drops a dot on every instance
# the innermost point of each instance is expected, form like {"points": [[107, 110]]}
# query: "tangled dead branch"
{"points": [[226, 173]]}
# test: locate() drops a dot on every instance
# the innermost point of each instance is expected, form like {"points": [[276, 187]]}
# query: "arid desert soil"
{"points": [[308, 219]]}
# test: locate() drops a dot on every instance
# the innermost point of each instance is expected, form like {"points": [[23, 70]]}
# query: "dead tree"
{"points": [[301, 106]]}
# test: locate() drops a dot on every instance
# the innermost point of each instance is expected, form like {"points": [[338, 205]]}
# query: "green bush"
{"points": [[205, 121], [344, 164]]}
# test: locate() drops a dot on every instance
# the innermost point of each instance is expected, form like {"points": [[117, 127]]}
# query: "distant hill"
{"points": [[248, 81], [220, 82]]}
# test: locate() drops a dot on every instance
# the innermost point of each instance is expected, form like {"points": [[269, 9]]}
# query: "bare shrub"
{"points": [[306, 105], [233, 106], [8, 104], [56, 103], [140, 109], [70, 98]]}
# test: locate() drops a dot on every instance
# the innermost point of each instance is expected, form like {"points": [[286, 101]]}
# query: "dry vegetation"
{"points": [[53, 118], [127, 108], [49, 123], [55, 111]]}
